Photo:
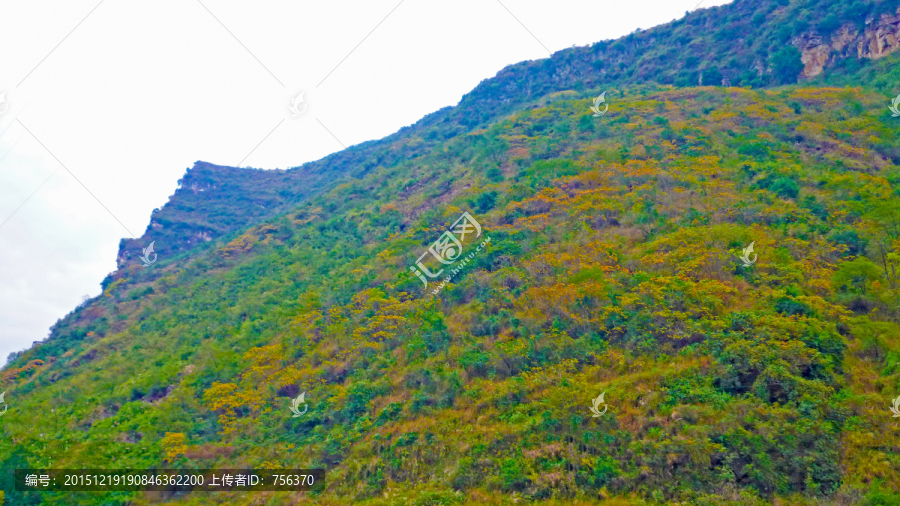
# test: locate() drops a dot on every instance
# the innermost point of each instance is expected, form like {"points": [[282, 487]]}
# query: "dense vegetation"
{"points": [[747, 43], [613, 267]]}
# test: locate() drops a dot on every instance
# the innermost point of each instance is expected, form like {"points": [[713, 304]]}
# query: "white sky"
{"points": [[128, 94]]}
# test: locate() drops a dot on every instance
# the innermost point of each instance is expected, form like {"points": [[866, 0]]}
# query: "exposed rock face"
{"points": [[843, 39], [813, 53], [879, 39]]}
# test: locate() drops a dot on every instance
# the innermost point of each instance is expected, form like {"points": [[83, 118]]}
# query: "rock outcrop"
{"points": [[880, 38]]}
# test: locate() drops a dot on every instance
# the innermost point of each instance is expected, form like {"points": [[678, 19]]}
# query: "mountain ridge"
{"points": [[613, 270], [606, 63]]}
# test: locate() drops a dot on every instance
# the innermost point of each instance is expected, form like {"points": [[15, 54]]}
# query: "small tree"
{"points": [[786, 65], [711, 76]]}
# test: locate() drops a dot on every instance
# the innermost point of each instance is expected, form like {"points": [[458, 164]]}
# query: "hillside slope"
{"points": [[747, 43], [613, 267]]}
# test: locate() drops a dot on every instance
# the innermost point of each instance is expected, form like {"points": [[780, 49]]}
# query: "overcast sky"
{"points": [[106, 103]]}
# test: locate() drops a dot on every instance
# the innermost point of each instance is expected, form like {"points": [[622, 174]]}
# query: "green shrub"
{"points": [[786, 65], [785, 187], [512, 474], [792, 307], [494, 174]]}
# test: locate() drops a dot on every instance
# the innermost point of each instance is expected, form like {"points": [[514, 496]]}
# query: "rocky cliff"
{"points": [[879, 38], [731, 45]]}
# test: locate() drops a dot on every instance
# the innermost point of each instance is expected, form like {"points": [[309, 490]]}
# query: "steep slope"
{"points": [[613, 266], [746, 43]]}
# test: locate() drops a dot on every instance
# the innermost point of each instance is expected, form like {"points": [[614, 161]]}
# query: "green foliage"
{"points": [[712, 76], [879, 495], [495, 175], [785, 187], [605, 469], [512, 474], [137, 293], [792, 307], [786, 65], [485, 202], [755, 149], [613, 267]]}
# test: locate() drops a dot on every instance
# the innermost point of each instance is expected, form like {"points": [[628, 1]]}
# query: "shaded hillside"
{"points": [[613, 266]]}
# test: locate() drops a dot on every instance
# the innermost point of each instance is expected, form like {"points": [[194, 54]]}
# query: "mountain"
{"points": [[755, 44], [681, 294]]}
